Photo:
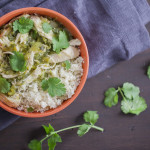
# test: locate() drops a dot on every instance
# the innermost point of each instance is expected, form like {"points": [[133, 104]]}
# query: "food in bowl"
{"points": [[40, 63]]}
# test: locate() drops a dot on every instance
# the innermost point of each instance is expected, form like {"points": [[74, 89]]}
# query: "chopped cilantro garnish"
{"points": [[54, 87], [17, 62], [46, 27], [23, 25], [67, 64], [30, 109], [4, 85], [60, 42]]}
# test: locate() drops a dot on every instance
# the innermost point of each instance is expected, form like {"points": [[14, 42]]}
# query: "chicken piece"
{"points": [[9, 76], [33, 76], [12, 101], [21, 38], [5, 31], [4, 41], [66, 54], [38, 25], [75, 42]]}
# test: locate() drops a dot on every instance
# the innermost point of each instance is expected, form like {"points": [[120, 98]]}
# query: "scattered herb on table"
{"points": [[4, 85], [131, 100], [23, 25], [17, 62], [52, 136]]}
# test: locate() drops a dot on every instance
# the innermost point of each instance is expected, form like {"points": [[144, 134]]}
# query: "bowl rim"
{"points": [[6, 18]]}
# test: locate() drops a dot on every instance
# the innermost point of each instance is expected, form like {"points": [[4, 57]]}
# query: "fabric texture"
{"points": [[114, 30]]}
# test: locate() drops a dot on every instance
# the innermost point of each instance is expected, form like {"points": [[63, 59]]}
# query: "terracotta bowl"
{"points": [[84, 53]]}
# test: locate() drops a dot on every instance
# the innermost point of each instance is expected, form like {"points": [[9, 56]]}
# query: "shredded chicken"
{"points": [[38, 25], [66, 54], [75, 42], [8, 53], [12, 101], [9, 76]]}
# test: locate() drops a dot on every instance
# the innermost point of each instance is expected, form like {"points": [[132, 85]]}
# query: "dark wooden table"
{"points": [[121, 131]]}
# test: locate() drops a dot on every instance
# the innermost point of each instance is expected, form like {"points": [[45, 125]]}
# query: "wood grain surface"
{"points": [[121, 131]]}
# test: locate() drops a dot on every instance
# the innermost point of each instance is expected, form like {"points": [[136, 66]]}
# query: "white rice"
{"points": [[40, 100]]}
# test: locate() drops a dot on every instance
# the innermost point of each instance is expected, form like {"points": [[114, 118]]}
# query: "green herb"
{"points": [[111, 97], [54, 87], [4, 85], [23, 25], [53, 137], [131, 101], [130, 91], [135, 106], [35, 145], [148, 72], [30, 109], [34, 34], [17, 62], [67, 65], [46, 27], [53, 140], [60, 42]]}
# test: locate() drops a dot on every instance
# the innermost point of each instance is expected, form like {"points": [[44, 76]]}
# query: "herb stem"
{"points": [[98, 128], [72, 127], [120, 90]]}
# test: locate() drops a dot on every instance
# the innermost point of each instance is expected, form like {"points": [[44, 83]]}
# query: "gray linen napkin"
{"points": [[114, 30]]}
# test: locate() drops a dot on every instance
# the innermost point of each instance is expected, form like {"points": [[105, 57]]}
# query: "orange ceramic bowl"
{"points": [[84, 53]]}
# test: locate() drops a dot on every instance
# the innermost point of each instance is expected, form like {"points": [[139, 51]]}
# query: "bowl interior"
{"points": [[84, 53]]}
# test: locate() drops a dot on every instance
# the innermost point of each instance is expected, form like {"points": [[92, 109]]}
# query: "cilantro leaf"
{"points": [[83, 129], [53, 140], [135, 106], [67, 65], [148, 72], [34, 34], [34, 145], [4, 85], [130, 91], [48, 129], [17, 62], [54, 87], [111, 97], [23, 25], [60, 42], [30, 109], [46, 27], [91, 116]]}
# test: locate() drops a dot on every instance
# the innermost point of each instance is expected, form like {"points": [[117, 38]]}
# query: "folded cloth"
{"points": [[114, 30]]}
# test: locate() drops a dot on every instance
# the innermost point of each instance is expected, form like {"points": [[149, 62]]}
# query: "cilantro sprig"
{"points": [[60, 42], [4, 85], [54, 86], [131, 101], [17, 62], [23, 25], [52, 136]]}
